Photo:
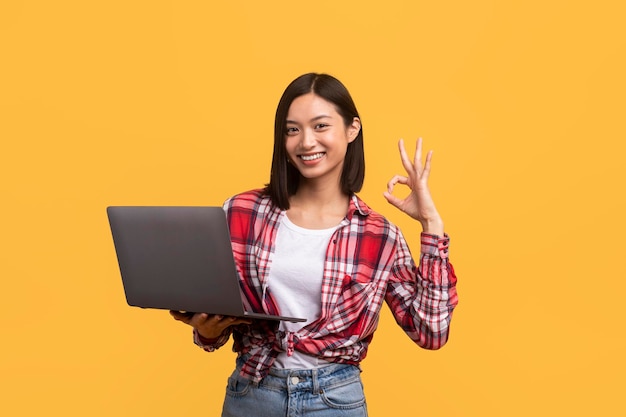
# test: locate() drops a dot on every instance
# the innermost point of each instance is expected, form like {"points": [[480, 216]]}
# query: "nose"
{"points": [[308, 139]]}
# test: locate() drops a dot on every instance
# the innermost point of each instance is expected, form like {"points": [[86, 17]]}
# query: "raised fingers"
{"points": [[404, 157], [417, 159], [422, 169], [426, 171]]}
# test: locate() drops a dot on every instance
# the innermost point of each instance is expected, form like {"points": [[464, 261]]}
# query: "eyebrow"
{"points": [[322, 116]]}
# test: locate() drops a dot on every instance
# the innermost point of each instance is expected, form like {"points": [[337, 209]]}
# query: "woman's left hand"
{"points": [[419, 203]]}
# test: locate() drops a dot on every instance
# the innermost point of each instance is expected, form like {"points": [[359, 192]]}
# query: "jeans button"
{"points": [[295, 380]]}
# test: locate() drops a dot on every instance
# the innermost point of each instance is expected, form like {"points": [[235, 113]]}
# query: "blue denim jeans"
{"points": [[331, 391]]}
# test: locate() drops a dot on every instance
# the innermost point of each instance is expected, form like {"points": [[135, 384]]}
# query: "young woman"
{"points": [[307, 246]]}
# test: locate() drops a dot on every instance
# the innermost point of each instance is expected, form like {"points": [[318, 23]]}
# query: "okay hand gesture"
{"points": [[419, 203]]}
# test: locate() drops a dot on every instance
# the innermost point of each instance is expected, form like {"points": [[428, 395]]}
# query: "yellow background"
{"points": [[165, 102]]}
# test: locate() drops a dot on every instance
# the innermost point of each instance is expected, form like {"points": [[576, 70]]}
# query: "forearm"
{"points": [[422, 298]]}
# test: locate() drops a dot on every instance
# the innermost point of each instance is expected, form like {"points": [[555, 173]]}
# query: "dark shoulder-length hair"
{"points": [[284, 177]]}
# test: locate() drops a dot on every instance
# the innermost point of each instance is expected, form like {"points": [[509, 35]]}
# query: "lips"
{"points": [[312, 157]]}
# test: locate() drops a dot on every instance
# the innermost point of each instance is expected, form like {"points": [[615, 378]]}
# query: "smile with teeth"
{"points": [[312, 157]]}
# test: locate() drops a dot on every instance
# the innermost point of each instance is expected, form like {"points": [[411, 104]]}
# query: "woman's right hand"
{"points": [[209, 326]]}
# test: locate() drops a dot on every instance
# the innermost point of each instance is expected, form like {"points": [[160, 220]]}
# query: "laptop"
{"points": [[179, 258]]}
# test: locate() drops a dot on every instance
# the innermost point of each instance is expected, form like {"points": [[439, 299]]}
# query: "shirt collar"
{"points": [[357, 206]]}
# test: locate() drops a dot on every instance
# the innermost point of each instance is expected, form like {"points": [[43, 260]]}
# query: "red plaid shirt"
{"points": [[367, 262]]}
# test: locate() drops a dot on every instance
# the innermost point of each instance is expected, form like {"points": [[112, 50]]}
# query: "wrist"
{"points": [[433, 227], [206, 340]]}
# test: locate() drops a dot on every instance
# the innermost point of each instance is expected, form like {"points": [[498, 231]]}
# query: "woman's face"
{"points": [[317, 138]]}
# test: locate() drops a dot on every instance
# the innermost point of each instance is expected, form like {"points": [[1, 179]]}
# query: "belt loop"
{"points": [[316, 383]]}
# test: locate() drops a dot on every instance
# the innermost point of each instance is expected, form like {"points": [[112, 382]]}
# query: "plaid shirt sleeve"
{"points": [[423, 297], [211, 345]]}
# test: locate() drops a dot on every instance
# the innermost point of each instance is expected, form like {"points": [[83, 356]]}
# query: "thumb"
{"points": [[392, 199]]}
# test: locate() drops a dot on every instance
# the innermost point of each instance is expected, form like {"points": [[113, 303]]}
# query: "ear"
{"points": [[354, 129]]}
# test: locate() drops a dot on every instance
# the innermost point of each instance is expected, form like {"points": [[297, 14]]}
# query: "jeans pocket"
{"points": [[237, 386], [345, 396]]}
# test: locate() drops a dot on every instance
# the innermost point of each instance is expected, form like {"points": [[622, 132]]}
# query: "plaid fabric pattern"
{"points": [[367, 263]]}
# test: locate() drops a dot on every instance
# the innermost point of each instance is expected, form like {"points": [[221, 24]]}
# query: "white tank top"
{"points": [[296, 282]]}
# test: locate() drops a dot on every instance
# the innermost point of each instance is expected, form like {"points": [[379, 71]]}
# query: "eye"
{"points": [[321, 126], [290, 131]]}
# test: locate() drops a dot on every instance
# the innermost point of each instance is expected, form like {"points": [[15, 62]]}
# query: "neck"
{"points": [[318, 208], [319, 196]]}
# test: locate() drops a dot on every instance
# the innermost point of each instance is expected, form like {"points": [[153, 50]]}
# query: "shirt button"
{"points": [[295, 380]]}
